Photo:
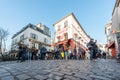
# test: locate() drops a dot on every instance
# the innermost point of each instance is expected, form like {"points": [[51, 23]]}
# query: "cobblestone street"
{"points": [[61, 70]]}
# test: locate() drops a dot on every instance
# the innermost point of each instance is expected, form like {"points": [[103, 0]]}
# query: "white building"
{"points": [[69, 29], [32, 36]]}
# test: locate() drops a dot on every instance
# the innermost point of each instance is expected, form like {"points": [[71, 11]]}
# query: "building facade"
{"points": [[116, 26], [108, 31], [110, 40], [116, 17], [32, 36], [69, 30]]}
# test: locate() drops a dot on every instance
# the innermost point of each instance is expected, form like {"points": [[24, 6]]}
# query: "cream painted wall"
{"points": [[73, 28]]}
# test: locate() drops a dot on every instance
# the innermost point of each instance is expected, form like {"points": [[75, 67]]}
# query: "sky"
{"points": [[93, 15]]}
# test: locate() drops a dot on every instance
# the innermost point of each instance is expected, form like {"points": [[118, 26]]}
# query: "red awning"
{"points": [[83, 47], [62, 42], [111, 44]]}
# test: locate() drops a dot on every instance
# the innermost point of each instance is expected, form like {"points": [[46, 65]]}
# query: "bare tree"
{"points": [[1, 34], [3, 37]]}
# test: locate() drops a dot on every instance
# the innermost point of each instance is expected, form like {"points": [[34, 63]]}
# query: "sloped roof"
{"points": [[32, 27]]}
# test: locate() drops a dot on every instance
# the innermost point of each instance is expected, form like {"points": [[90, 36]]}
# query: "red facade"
{"points": [[72, 43], [112, 47]]}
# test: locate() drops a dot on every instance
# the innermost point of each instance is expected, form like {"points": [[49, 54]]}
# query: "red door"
{"points": [[113, 52]]}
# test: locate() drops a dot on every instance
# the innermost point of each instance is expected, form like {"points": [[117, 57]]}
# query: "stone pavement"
{"points": [[60, 70]]}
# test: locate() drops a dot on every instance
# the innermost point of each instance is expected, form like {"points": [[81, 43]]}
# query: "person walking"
{"points": [[90, 47], [95, 50], [43, 52], [69, 52], [62, 51], [59, 53], [87, 55], [32, 52], [66, 51], [24, 56], [20, 52], [28, 54], [80, 53], [75, 52]]}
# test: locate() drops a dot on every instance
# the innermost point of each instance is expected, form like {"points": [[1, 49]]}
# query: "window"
{"points": [[65, 23], [75, 37], [33, 45], [119, 41], [112, 37], [58, 39], [34, 36], [118, 34], [15, 41], [21, 37], [58, 27], [66, 36], [81, 40], [45, 40], [109, 31]]}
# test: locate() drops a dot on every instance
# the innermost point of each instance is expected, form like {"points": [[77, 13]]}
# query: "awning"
{"points": [[61, 42], [110, 44], [38, 42], [83, 47]]}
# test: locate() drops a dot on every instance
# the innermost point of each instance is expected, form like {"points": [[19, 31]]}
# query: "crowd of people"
{"points": [[65, 52], [60, 52], [25, 53], [95, 52]]}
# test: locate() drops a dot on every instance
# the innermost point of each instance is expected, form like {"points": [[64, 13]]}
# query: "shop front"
{"points": [[111, 46], [71, 43]]}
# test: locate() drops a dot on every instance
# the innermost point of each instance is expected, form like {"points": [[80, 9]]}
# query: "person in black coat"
{"points": [[43, 52], [20, 52]]}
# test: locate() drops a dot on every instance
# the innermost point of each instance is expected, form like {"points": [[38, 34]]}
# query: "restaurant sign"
{"points": [[61, 32]]}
